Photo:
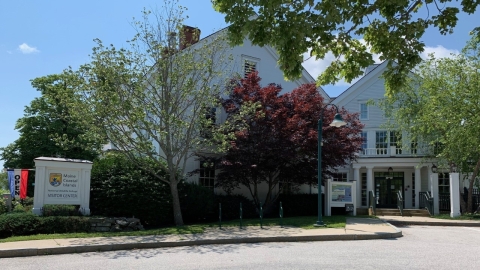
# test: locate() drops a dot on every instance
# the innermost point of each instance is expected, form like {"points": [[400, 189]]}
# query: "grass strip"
{"points": [[301, 222]]}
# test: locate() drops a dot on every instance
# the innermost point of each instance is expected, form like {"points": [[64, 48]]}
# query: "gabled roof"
{"points": [[373, 73], [305, 74]]}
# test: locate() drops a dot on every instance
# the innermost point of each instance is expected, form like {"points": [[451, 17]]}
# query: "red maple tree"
{"points": [[280, 143]]}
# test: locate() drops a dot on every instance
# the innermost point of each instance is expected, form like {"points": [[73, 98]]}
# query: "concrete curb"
{"points": [[427, 223], [128, 246]]}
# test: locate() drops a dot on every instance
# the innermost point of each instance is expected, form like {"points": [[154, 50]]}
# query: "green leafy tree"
{"points": [[440, 107], [152, 99], [392, 29], [49, 127], [3, 182]]}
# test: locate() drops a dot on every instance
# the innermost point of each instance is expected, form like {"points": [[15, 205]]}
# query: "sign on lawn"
{"points": [[62, 181]]}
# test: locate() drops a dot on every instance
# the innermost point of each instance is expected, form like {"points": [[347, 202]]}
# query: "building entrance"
{"points": [[386, 187]]}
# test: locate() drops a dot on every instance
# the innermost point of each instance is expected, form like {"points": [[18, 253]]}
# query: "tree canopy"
{"points": [[351, 30], [279, 144], [151, 99], [440, 107], [50, 128]]}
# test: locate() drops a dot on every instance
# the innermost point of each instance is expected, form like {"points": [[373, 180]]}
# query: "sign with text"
{"points": [[63, 185], [341, 193], [62, 181]]}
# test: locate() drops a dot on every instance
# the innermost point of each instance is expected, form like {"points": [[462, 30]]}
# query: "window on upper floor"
{"points": [[249, 65], [208, 125], [381, 142], [364, 140], [363, 111], [396, 140], [413, 147]]}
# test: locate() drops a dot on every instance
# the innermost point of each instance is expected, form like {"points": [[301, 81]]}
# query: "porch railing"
{"points": [[400, 202], [394, 151], [426, 201], [372, 201]]}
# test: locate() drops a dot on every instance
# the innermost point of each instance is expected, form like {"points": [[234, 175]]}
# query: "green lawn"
{"points": [[302, 222]]}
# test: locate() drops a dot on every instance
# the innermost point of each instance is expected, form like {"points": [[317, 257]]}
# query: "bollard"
{"points": [[261, 216], [241, 215], [281, 215], [220, 215]]}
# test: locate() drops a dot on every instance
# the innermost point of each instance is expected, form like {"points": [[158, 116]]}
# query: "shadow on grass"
{"points": [[301, 222]]}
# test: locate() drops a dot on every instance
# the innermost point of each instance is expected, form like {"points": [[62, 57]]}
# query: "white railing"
{"points": [[392, 151]]}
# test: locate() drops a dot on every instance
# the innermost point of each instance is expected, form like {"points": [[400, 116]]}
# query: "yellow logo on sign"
{"points": [[55, 179]]}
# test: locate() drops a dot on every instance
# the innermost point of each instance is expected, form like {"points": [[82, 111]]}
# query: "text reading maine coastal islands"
{"points": [[63, 186]]}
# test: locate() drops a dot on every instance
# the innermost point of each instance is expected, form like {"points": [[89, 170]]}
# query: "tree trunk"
{"points": [[177, 211], [470, 187]]}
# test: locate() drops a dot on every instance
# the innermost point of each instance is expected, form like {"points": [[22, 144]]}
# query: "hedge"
{"points": [[15, 224]]}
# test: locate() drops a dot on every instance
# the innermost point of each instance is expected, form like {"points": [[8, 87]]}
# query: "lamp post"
{"points": [[337, 122]]}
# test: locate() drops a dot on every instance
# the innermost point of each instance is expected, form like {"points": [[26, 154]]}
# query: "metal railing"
{"points": [[426, 201], [372, 202], [400, 202], [444, 202]]}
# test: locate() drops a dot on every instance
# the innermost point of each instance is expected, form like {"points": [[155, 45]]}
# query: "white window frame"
{"points": [[344, 176], [203, 179], [246, 58], [364, 139], [360, 110]]}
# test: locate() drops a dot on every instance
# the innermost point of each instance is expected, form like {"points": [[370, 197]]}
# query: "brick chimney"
{"points": [[190, 36]]}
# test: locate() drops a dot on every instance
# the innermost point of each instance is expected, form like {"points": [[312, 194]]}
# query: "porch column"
{"points": [[454, 195], [435, 195], [356, 177], [418, 186], [370, 186]]}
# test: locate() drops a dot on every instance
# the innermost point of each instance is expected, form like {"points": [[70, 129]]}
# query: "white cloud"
{"points": [[9, 52], [316, 67], [25, 49], [439, 52]]}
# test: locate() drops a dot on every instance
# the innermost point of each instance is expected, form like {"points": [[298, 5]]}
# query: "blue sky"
{"points": [[38, 38]]}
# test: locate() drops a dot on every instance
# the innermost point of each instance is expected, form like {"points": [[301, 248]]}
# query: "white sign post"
{"points": [[62, 181], [341, 194]]}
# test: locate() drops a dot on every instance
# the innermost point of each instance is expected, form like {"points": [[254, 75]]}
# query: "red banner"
{"points": [[23, 184]]}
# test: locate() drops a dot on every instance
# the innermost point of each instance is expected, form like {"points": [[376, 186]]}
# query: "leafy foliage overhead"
{"points": [[392, 28]]}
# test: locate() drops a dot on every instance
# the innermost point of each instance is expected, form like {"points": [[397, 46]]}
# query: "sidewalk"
{"points": [[356, 229]]}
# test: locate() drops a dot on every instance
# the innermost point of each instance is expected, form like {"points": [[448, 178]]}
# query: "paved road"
{"points": [[420, 248]]}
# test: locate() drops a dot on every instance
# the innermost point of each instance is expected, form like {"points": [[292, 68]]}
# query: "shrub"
{"points": [[197, 202], [50, 210], [18, 224], [59, 224], [26, 224], [18, 207], [3, 206], [297, 205], [120, 189], [231, 207]]}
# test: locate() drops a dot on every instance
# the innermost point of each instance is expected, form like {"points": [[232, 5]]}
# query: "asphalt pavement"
{"points": [[355, 229]]}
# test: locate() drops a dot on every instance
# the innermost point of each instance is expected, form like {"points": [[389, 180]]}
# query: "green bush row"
{"points": [[120, 189], [27, 223]]}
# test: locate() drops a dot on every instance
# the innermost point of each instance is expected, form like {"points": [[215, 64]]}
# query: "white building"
{"points": [[388, 163]]}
